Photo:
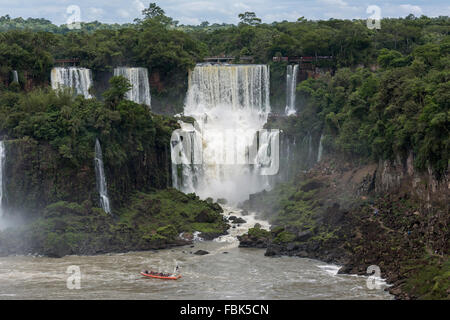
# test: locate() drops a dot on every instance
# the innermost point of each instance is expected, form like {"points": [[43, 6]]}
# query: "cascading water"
{"points": [[79, 79], [15, 76], [320, 151], [2, 167], [101, 179], [291, 86], [138, 77], [230, 104]]}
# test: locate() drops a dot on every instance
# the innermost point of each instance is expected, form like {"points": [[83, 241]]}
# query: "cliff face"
{"points": [[401, 176], [36, 176], [386, 214]]}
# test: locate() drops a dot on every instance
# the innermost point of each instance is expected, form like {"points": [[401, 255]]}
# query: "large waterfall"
{"points": [[79, 79], [2, 167], [138, 77], [230, 104], [101, 179], [291, 86]]}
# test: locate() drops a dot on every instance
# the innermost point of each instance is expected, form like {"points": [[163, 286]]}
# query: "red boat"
{"points": [[156, 276]]}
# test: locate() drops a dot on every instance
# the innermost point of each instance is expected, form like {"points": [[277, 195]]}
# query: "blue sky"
{"points": [[197, 11]]}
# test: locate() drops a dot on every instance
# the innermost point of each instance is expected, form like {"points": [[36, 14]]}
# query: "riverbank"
{"points": [[341, 214], [225, 271], [149, 221]]}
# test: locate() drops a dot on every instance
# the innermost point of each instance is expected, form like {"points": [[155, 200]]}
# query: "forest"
{"points": [[386, 92]]}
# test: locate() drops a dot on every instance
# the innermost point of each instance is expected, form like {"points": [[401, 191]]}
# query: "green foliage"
{"points": [[401, 108], [119, 86]]}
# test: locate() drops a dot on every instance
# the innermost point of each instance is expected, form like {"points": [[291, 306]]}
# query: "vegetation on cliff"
{"points": [[332, 213], [148, 221]]}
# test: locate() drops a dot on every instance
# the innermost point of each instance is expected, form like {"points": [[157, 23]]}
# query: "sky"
{"points": [[213, 11]]}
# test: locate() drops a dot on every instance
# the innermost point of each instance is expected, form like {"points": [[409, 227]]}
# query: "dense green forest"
{"points": [[387, 93]]}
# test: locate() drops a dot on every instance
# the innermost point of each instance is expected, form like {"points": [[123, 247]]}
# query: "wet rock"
{"points": [[304, 236], [302, 254], [201, 252], [239, 220]]}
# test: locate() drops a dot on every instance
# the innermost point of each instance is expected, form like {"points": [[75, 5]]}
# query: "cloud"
{"points": [[408, 8], [138, 5], [340, 3], [191, 11]]}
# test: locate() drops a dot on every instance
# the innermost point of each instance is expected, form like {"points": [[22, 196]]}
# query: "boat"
{"points": [[155, 276]]}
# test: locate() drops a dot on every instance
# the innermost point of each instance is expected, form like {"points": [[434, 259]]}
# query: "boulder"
{"points": [[201, 252]]}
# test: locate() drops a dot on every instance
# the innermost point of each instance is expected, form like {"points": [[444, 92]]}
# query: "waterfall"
{"points": [[319, 153], [101, 179], [230, 104], [291, 86], [138, 77], [15, 76], [2, 167], [79, 79]]}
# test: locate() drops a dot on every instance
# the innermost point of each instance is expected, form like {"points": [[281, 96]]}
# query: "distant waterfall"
{"points": [[230, 104], [291, 86], [2, 167], [101, 179], [320, 151], [79, 79], [15, 76], [138, 77]]}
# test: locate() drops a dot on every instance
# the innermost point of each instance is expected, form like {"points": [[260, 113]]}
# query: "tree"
{"points": [[153, 11], [249, 18], [119, 86]]}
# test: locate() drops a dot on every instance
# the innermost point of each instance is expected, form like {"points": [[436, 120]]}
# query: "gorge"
{"points": [[270, 161]]}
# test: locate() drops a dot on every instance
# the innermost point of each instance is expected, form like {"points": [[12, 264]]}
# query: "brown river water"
{"points": [[227, 272]]}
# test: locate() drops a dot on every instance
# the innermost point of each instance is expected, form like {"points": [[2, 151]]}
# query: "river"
{"points": [[227, 272]]}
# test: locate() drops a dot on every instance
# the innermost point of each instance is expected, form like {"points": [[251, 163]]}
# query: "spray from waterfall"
{"points": [[2, 168], [291, 86], [138, 77], [79, 79], [230, 104], [101, 179]]}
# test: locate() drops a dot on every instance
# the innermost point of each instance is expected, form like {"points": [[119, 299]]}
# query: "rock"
{"points": [[302, 254], [303, 236], [201, 252], [257, 226], [225, 252], [291, 246], [222, 201], [244, 212], [239, 220]]}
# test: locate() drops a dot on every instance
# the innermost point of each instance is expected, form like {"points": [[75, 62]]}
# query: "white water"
{"points": [[101, 179], [291, 86], [138, 77], [226, 272], [230, 104], [319, 153], [79, 79], [2, 166]]}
